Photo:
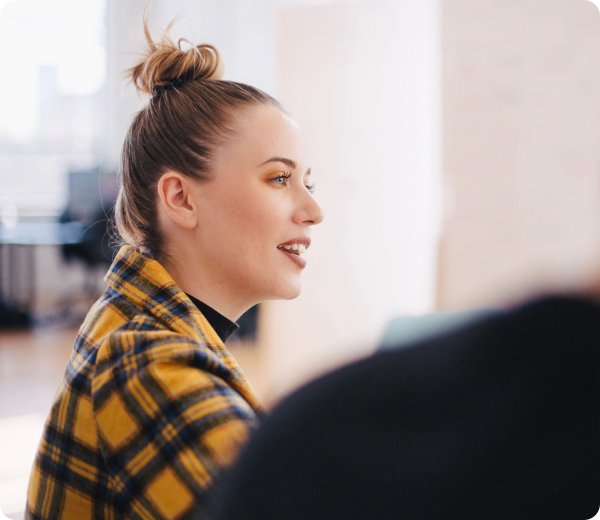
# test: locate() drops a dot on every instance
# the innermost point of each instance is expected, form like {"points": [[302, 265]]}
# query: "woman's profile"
{"points": [[214, 209]]}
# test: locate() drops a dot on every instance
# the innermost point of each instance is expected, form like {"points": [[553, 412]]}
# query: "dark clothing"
{"points": [[497, 420], [221, 325]]}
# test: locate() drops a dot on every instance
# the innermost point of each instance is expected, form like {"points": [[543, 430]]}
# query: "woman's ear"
{"points": [[175, 196]]}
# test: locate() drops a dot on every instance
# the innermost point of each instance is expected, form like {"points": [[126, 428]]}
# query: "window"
{"points": [[52, 100]]}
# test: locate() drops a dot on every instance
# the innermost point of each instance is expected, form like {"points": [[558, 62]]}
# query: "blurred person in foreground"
{"points": [[215, 209], [496, 420]]}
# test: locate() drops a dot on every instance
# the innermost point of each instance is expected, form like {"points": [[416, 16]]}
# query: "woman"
{"points": [[215, 208]]}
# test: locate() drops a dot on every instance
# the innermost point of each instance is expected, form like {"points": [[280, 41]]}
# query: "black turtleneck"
{"points": [[223, 327]]}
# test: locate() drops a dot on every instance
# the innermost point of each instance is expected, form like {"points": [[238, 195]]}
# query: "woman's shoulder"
{"points": [[165, 362], [116, 321], [128, 342], [142, 341]]}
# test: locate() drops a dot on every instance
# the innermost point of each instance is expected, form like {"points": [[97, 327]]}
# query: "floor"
{"points": [[31, 366]]}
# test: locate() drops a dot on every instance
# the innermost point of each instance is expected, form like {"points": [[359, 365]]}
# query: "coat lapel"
{"points": [[148, 286]]}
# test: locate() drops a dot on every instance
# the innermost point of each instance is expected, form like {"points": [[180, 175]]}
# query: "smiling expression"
{"points": [[256, 212]]}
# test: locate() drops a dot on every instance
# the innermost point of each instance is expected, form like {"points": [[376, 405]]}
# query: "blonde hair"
{"points": [[191, 111]]}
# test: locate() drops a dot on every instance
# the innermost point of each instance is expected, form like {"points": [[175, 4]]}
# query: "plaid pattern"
{"points": [[151, 407]]}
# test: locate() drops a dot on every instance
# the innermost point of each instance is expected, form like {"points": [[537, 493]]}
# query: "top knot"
{"points": [[167, 66]]}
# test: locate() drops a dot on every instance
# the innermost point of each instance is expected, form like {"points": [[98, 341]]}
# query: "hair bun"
{"points": [[166, 65]]}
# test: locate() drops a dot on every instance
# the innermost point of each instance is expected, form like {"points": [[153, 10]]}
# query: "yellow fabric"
{"points": [[151, 408]]}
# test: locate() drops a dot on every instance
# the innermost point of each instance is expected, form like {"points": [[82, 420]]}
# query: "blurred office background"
{"points": [[455, 144]]}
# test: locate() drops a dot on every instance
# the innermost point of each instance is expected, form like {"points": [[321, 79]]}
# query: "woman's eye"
{"points": [[282, 179]]}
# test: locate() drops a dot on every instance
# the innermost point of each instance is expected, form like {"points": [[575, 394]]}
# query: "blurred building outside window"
{"points": [[52, 101]]}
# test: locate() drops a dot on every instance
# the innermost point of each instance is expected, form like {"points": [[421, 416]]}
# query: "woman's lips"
{"points": [[297, 259], [295, 249]]}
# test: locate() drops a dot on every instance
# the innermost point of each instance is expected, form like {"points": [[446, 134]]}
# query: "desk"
{"points": [[44, 233], [17, 255]]}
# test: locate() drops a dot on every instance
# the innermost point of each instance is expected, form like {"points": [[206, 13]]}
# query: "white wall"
{"points": [[521, 126], [362, 79], [124, 34]]}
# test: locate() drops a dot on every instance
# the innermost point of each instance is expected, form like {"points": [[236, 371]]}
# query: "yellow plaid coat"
{"points": [[151, 407]]}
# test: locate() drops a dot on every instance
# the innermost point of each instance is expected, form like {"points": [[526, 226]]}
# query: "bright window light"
{"points": [[52, 97]]}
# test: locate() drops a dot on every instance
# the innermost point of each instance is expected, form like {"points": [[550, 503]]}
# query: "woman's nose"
{"points": [[309, 212]]}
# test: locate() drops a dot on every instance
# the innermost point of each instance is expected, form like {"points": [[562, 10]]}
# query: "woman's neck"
{"points": [[215, 293]]}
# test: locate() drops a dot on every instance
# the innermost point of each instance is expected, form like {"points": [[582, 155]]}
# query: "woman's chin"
{"points": [[289, 292]]}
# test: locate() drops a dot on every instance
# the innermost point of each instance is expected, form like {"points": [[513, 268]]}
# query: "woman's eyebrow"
{"points": [[287, 162]]}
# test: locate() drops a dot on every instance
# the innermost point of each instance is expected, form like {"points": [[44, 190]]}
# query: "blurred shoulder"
{"points": [[533, 334]]}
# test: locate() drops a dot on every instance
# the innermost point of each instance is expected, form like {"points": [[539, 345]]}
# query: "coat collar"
{"points": [[148, 286]]}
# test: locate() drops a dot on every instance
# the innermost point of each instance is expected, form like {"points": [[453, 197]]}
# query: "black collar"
{"points": [[223, 327]]}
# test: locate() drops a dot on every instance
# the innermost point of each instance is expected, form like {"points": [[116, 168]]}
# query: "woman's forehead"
{"points": [[265, 132]]}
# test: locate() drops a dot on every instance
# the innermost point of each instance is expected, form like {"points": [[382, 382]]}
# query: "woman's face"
{"points": [[257, 200]]}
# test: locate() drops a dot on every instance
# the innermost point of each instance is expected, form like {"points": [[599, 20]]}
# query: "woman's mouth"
{"points": [[295, 253], [297, 249]]}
